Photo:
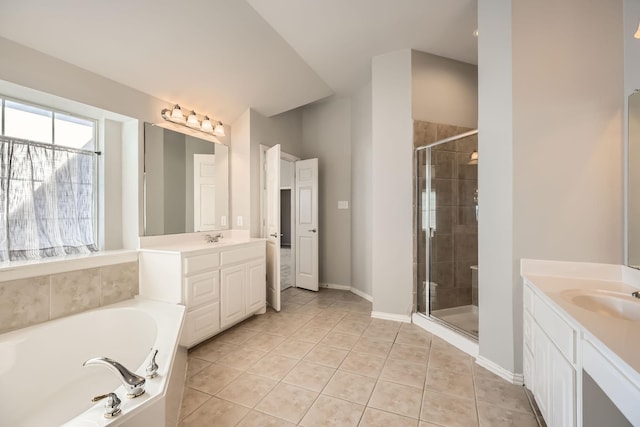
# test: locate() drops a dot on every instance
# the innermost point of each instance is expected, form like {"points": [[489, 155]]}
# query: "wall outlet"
{"points": [[239, 221], [343, 204]]}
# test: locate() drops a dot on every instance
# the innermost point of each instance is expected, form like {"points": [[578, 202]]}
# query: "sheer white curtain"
{"points": [[46, 200]]}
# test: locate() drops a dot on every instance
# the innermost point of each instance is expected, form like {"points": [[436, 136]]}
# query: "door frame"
{"points": [[263, 190]]}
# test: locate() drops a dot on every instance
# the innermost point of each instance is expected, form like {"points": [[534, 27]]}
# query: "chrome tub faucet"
{"points": [[134, 384]]}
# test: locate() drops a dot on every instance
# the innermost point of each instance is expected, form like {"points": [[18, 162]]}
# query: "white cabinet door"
{"points": [[563, 400], [201, 323], [232, 300], [255, 291], [541, 366]]}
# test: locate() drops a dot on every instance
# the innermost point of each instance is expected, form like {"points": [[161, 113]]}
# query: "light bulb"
{"points": [[219, 130], [176, 114], [192, 120], [206, 125], [637, 34]]}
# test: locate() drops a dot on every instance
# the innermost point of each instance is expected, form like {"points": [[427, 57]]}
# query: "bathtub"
{"points": [[43, 382]]}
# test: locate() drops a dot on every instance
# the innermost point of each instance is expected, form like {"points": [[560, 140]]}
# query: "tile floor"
{"points": [[322, 361]]}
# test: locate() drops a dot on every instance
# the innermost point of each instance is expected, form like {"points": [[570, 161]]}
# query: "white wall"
{"points": [[361, 191], [111, 182], [444, 90], [550, 174], [284, 129], [50, 76], [497, 266], [240, 176], [392, 198], [326, 134]]}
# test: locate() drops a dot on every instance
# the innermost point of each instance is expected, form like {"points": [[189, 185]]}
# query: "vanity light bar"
{"points": [[175, 115]]}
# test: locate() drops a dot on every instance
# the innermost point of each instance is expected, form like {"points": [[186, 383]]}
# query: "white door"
{"points": [[272, 175], [307, 224], [204, 192]]}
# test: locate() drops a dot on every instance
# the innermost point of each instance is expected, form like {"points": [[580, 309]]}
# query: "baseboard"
{"points": [[346, 288], [390, 316], [503, 373], [449, 335], [334, 286], [361, 294]]}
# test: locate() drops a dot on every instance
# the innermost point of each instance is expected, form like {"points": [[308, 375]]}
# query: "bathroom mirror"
{"points": [[633, 183], [186, 183]]}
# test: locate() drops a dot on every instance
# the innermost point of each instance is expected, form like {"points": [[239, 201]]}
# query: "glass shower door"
{"points": [[447, 232]]}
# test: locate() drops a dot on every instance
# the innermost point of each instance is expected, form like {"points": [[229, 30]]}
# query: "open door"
{"points": [[204, 192], [307, 224], [272, 226]]}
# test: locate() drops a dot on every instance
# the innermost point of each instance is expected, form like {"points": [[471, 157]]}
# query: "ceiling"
{"points": [[221, 57]]}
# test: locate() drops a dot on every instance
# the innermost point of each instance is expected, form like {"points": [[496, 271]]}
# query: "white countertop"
{"points": [[200, 245], [551, 279]]}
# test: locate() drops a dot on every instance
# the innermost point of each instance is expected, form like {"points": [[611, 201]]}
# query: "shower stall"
{"points": [[446, 225]]}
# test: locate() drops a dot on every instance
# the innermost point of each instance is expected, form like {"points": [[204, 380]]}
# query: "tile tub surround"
{"points": [[325, 362], [25, 302]]}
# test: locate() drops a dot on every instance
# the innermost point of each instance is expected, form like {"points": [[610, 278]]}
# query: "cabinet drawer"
{"points": [[240, 255], [197, 263], [527, 295], [556, 328], [527, 326], [201, 324], [202, 289]]}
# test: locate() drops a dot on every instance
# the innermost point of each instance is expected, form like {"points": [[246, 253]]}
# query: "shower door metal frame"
{"points": [[428, 237]]}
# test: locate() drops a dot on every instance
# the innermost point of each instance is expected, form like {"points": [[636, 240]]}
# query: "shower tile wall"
{"points": [[455, 242]]}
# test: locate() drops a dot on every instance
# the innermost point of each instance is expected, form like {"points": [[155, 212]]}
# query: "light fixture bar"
{"points": [[192, 121]]}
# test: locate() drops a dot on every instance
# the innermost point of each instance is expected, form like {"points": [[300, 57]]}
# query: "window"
{"points": [[48, 182]]}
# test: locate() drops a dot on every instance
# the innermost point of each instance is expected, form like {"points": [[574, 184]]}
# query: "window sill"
{"points": [[15, 270]]}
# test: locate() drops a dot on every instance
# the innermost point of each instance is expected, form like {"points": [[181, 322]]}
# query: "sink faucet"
{"points": [[213, 238], [134, 384]]}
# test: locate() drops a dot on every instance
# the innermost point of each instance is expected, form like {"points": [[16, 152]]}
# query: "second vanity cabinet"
{"points": [[549, 361], [219, 284]]}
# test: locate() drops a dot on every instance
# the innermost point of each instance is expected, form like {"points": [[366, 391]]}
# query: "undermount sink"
{"points": [[606, 303]]}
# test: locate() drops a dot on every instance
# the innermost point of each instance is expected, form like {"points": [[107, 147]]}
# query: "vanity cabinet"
{"points": [[219, 285], [549, 358]]}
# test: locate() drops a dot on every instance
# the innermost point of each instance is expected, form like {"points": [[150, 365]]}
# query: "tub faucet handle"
{"points": [[112, 405], [152, 369], [133, 383]]}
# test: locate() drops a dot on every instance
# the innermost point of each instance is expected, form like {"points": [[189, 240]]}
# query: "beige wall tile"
{"points": [[74, 291], [119, 282], [23, 302]]}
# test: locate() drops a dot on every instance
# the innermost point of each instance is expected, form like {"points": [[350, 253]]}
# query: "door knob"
{"points": [[313, 230], [275, 235]]}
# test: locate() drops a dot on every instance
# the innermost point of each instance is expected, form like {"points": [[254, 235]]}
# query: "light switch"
{"points": [[223, 220], [343, 204], [239, 221]]}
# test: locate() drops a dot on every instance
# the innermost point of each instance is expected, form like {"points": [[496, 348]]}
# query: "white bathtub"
{"points": [[43, 382]]}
